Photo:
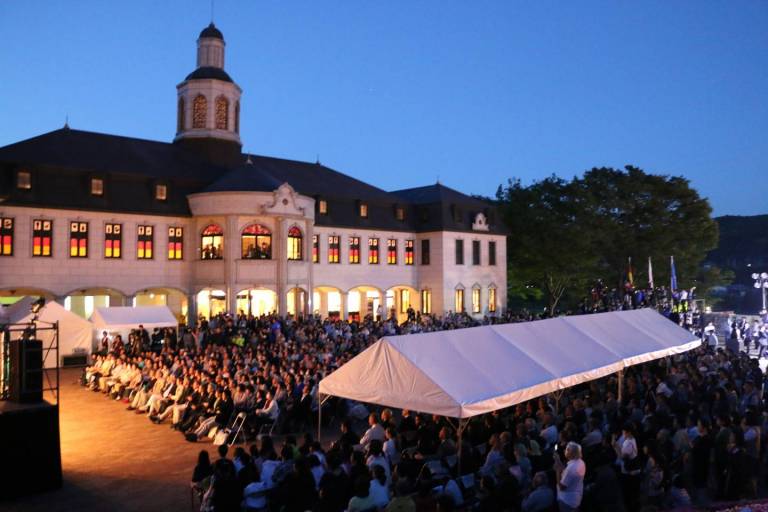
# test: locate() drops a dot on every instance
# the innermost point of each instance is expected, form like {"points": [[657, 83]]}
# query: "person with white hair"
{"points": [[570, 478]]}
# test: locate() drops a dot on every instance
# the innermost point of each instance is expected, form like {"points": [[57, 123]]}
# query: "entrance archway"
{"points": [[175, 300], [210, 302], [399, 299], [327, 301], [364, 300], [85, 301], [296, 301], [257, 301]]}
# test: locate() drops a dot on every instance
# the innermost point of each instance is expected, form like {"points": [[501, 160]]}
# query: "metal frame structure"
{"points": [[17, 333]]}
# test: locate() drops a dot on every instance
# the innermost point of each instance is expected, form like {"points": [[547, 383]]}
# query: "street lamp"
{"points": [[761, 282]]}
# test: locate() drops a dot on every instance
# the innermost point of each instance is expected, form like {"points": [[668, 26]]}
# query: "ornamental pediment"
{"points": [[285, 202]]}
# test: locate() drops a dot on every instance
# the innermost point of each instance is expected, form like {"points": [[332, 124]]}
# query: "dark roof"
{"points": [[436, 193], [209, 72], [212, 31]]}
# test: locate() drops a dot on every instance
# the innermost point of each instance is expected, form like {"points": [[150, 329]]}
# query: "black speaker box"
{"points": [[26, 382]]}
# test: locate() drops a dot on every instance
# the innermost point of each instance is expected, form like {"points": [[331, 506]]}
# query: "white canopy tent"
{"points": [[121, 320], [466, 372], [75, 332]]}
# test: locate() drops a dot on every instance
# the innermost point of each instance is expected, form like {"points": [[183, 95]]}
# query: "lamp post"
{"points": [[761, 282]]}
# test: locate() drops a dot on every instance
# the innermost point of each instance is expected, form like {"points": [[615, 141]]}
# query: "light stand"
{"points": [[761, 282]]}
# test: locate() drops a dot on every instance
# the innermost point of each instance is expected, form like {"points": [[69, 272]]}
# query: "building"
{"points": [[91, 219]]}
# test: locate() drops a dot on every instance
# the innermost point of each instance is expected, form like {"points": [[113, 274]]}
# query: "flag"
{"points": [[650, 274], [630, 277], [673, 277]]}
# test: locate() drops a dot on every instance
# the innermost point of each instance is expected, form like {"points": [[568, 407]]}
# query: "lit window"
{"points": [[322, 207], [175, 243], [78, 239], [392, 251], [42, 238], [211, 241], [222, 113], [113, 240], [492, 299], [161, 192], [475, 300], [315, 249], [237, 117], [459, 252], [180, 116], [426, 302], [409, 252], [373, 251], [145, 242], [425, 252], [354, 249], [256, 243], [24, 180], [400, 213], [363, 210], [199, 111], [491, 253], [97, 187], [405, 300], [333, 249], [458, 305], [294, 243], [6, 236], [475, 252]]}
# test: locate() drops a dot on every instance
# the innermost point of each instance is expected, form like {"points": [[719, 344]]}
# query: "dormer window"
{"points": [[322, 207], [24, 180], [161, 192], [97, 187], [400, 213], [363, 210]]}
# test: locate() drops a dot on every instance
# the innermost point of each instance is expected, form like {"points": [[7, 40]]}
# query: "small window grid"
{"points": [[42, 238], [322, 207], [409, 252], [492, 253], [294, 244], [315, 249], [161, 192], [6, 236], [475, 252], [175, 243], [459, 252], [333, 249], [491, 300], [145, 243], [354, 250], [78, 239], [426, 302], [97, 187], [373, 251], [425, 252], [24, 180], [392, 251], [475, 300], [113, 240]]}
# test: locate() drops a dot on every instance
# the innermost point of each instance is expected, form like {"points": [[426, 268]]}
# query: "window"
{"points": [[492, 299], [6, 236], [199, 111], [400, 213], [354, 249], [373, 251], [409, 252], [322, 207], [458, 300], [425, 252], [113, 240], [222, 113], [315, 249], [237, 117], [211, 242], [475, 252], [491, 253], [97, 187], [459, 252], [392, 251], [161, 192], [294, 243], [476, 300], [78, 239], [405, 300], [363, 210], [145, 242], [175, 243], [24, 180], [42, 238], [180, 116], [333, 249], [426, 302], [256, 243]]}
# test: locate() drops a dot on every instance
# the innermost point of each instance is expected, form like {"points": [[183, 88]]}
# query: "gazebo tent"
{"points": [[466, 372], [125, 318], [75, 332]]}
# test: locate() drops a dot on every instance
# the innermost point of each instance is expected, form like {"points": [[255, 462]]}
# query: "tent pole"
{"points": [[460, 431], [621, 385], [319, 416]]}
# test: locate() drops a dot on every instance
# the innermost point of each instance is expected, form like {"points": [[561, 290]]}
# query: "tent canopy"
{"points": [[126, 318], [473, 371]]}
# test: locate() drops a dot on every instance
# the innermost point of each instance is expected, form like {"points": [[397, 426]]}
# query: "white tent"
{"points": [[125, 318], [466, 372], [75, 333]]}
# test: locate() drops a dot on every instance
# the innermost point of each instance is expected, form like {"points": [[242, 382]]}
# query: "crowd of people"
{"points": [[687, 429]]}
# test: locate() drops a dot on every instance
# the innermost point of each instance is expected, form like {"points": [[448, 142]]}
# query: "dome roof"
{"points": [[212, 31], [209, 72]]}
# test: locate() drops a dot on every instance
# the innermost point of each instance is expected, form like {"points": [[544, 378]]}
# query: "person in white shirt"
{"points": [[570, 478], [375, 431]]}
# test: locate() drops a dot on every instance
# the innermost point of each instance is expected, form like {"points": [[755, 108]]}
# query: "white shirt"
{"points": [[628, 452], [375, 432], [572, 479]]}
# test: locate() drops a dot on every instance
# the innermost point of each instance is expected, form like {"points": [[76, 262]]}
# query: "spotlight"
{"points": [[36, 306]]}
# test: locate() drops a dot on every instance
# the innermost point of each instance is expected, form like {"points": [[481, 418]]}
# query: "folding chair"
{"points": [[269, 427], [237, 429]]}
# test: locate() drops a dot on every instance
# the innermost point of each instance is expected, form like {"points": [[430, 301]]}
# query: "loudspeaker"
{"points": [[26, 382]]}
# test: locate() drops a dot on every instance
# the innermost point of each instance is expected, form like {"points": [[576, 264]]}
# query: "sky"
{"points": [[404, 93]]}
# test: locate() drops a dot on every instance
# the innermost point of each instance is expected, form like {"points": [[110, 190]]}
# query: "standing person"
{"points": [[631, 468], [570, 478]]}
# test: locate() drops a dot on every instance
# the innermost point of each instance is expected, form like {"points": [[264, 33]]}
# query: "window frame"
{"points": [[362, 210], [78, 232], [206, 232], [161, 196], [425, 251], [492, 252], [7, 235], [199, 112], [410, 252], [476, 253], [334, 249], [295, 244], [175, 243], [25, 184], [492, 305], [145, 234], [315, 248], [426, 301], [111, 236], [354, 250], [322, 207], [459, 251], [459, 305], [96, 191], [373, 251], [391, 251], [42, 234], [477, 300], [259, 235]]}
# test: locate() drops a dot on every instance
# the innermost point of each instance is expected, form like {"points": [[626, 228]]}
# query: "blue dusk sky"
{"points": [[399, 93]]}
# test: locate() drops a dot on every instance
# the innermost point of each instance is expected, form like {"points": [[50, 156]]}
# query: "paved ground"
{"points": [[114, 459]]}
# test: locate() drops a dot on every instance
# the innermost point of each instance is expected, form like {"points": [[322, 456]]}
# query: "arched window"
{"points": [[294, 243], [222, 113], [180, 117], [211, 243], [256, 243], [237, 117], [199, 111]]}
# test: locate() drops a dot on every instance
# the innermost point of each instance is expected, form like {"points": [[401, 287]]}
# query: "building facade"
{"points": [[91, 220]]}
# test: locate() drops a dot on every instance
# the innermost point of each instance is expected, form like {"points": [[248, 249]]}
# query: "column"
{"points": [[129, 300], [309, 306], [279, 252], [345, 305], [192, 309], [231, 255], [322, 307]]}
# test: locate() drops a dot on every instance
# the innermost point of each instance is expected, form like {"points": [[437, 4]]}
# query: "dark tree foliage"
{"points": [[567, 234]]}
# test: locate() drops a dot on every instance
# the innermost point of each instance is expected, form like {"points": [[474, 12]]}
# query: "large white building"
{"points": [[90, 219]]}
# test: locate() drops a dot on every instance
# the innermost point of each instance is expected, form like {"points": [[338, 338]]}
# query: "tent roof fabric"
{"points": [[473, 371], [126, 317]]}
